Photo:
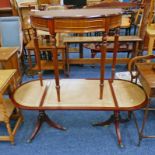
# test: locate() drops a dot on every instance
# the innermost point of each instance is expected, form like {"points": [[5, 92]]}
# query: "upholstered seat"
{"points": [[12, 37], [11, 26]]}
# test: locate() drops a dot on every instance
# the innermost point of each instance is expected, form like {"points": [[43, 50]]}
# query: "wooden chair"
{"points": [[145, 73], [126, 19], [23, 13], [8, 111], [125, 24], [143, 67], [150, 32], [137, 20]]}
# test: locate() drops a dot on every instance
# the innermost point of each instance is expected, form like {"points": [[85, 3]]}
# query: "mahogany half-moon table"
{"points": [[73, 21]]}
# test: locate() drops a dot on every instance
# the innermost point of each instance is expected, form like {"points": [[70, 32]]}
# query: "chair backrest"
{"points": [[14, 6], [140, 12], [11, 32], [152, 12], [111, 4], [18, 11]]}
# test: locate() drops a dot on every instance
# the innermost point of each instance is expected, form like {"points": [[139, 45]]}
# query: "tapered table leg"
{"points": [[117, 122]]}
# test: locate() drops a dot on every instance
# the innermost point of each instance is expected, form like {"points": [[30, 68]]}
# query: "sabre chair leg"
{"points": [[116, 113], [143, 125], [137, 127]]}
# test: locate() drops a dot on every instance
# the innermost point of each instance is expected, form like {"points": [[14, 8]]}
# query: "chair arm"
{"points": [[132, 62]]}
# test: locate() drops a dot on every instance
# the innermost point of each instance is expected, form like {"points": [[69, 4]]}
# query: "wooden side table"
{"points": [[7, 109], [9, 60]]}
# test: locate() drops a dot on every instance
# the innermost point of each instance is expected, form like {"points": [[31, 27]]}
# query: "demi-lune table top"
{"points": [[77, 13], [76, 20]]}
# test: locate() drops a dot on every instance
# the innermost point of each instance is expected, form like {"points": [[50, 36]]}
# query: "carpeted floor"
{"points": [[80, 138]]}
